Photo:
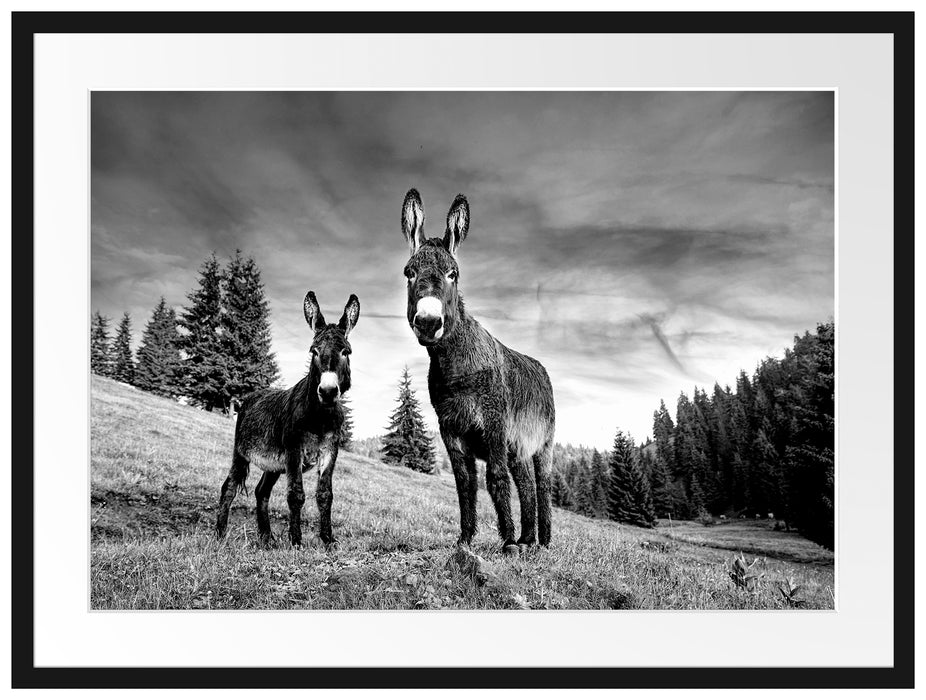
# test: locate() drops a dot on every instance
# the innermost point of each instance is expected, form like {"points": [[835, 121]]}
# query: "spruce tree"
{"points": [[100, 360], [765, 484], [664, 436], [346, 440], [600, 482], [660, 488], [249, 362], [159, 355], [696, 497], [123, 362], [741, 442], [205, 375], [585, 496], [407, 441], [629, 498], [561, 494], [808, 460]]}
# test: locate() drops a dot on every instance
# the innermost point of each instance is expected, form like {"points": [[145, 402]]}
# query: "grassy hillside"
{"points": [[156, 468]]}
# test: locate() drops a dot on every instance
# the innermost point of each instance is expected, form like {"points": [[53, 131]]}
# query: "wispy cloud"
{"points": [[635, 243]]}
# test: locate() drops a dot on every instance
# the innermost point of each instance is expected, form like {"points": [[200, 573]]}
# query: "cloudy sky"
{"points": [[636, 243]]}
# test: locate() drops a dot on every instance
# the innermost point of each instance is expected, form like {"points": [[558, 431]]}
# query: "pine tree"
{"points": [[584, 490], [808, 460], [205, 373], [740, 444], [660, 488], [765, 479], [696, 497], [600, 482], [159, 355], [629, 498], [347, 427], [664, 436], [245, 341], [100, 360], [561, 493], [123, 363], [407, 441]]}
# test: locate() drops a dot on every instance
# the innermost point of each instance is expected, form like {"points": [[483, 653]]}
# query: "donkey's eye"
{"points": [[345, 352], [452, 275]]}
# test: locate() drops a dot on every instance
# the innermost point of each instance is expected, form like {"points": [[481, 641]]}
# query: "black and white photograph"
{"points": [[462, 350]]}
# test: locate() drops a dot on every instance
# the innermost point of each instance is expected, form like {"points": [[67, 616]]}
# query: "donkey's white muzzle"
{"points": [[328, 388], [428, 322]]}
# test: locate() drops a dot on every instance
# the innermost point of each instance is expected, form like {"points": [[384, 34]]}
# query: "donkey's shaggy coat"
{"points": [[492, 402], [279, 429]]}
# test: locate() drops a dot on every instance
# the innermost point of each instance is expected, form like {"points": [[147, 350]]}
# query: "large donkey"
{"points": [[492, 403], [278, 429]]}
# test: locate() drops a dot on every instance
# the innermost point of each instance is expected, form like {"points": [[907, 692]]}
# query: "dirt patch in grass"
{"points": [[119, 515]]}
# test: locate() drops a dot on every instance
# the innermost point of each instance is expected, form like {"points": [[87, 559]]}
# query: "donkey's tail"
{"points": [[233, 484], [239, 473]]}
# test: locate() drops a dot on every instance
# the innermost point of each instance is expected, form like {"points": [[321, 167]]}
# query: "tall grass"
{"points": [[156, 468]]}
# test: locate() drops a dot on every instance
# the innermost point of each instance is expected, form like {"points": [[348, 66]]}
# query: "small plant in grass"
{"points": [[662, 547], [789, 591], [704, 517], [744, 575]]}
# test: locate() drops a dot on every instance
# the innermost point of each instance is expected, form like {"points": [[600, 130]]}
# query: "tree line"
{"points": [[765, 447], [215, 350]]}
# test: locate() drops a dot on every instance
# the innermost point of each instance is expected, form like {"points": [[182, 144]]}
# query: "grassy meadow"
{"points": [[156, 469]]}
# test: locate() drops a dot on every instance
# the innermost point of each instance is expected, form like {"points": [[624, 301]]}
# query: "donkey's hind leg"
{"points": [[262, 494], [236, 476], [523, 474], [543, 466]]}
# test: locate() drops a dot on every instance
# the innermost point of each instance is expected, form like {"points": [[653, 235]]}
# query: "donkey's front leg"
{"points": [[500, 490], [295, 495], [327, 456], [464, 473]]}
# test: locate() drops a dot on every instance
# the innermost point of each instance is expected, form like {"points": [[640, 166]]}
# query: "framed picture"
{"points": [[391, 336]]}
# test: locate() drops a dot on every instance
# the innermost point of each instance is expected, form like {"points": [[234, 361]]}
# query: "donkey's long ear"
{"points": [[457, 224], [313, 313], [351, 314], [413, 220]]}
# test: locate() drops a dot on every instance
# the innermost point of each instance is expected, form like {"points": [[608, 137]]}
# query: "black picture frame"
{"points": [[25, 25]]}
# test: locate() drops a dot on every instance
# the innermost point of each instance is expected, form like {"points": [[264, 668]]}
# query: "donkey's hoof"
{"points": [[267, 541], [332, 545], [511, 550], [525, 547]]}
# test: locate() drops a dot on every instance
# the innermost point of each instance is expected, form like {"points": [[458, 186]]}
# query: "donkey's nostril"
{"points": [[428, 325]]}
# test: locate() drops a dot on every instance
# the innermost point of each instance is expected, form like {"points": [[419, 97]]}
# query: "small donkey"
{"points": [[492, 403], [277, 429]]}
